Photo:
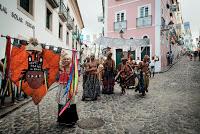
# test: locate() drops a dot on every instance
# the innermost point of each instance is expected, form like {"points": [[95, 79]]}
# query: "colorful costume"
{"points": [[69, 116]]}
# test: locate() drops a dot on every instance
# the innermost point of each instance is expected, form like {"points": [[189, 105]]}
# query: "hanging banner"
{"points": [[36, 67]]}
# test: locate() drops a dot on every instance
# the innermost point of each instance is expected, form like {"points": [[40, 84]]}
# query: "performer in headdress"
{"points": [[85, 72], [108, 75], [92, 86], [124, 71], [69, 116], [100, 69], [144, 75]]}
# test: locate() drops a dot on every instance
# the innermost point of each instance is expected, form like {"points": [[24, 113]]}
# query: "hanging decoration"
{"points": [[33, 68], [122, 43]]}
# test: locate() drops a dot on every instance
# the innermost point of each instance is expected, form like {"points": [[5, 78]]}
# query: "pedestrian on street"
{"points": [[69, 116], [171, 56], [168, 58], [195, 55], [108, 75], [190, 56], [92, 86], [138, 60], [152, 66]]}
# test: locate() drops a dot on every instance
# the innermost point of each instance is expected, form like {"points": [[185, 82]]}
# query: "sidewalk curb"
{"points": [[14, 107], [164, 71]]}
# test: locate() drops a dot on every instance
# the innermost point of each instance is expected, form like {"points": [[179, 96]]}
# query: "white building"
{"points": [[54, 22]]}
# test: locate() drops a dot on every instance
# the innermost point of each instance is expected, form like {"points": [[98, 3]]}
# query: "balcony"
{"points": [[53, 3], [70, 22], [62, 11], [144, 21], [121, 25]]}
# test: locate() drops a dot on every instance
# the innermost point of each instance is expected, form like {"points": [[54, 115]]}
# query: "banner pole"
{"points": [[38, 110]]}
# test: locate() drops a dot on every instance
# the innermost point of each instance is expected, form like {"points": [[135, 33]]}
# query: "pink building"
{"points": [[141, 19]]}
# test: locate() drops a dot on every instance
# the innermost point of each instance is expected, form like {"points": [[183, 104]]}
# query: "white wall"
{"points": [[157, 34], [10, 26]]}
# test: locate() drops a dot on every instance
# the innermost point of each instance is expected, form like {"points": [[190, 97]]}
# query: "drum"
{"points": [[132, 81]]}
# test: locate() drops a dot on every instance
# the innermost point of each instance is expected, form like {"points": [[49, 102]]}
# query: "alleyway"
{"points": [[171, 106]]}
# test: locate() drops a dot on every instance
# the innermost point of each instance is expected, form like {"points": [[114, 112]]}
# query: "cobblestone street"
{"points": [[171, 106]]}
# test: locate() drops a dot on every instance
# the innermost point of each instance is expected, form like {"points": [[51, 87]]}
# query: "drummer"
{"points": [[124, 70]]}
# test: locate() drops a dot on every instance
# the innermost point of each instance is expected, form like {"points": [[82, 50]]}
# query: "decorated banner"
{"points": [[33, 68]]}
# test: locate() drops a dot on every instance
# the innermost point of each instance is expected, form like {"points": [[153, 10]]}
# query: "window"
{"points": [[171, 15], [26, 6], [60, 31], [49, 19], [67, 38], [144, 11], [120, 16]]}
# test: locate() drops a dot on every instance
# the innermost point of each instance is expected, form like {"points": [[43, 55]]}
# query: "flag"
{"points": [[71, 92]]}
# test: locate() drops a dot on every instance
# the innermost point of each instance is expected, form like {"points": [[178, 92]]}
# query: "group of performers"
{"points": [[129, 74], [102, 72]]}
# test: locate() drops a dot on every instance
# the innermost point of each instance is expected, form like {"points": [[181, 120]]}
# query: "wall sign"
{"points": [[16, 17]]}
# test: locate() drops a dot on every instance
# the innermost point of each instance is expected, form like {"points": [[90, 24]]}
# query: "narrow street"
{"points": [[171, 106]]}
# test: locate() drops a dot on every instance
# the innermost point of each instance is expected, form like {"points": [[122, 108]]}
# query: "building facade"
{"points": [[53, 22], [140, 19], [188, 42]]}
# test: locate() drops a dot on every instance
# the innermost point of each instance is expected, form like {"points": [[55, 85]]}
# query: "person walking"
{"points": [[85, 73], [168, 58], [124, 71], [108, 75], [152, 66], [144, 75], [195, 55], [69, 116], [92, 86]]}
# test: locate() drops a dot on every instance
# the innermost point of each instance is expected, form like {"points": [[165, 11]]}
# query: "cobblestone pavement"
{"points": [[171, 106]]}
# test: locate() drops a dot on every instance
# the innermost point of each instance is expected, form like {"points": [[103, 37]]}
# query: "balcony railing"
{"points": [[62, 11], [54, 3], [144, 21], [70, 22], [121, 25]]}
